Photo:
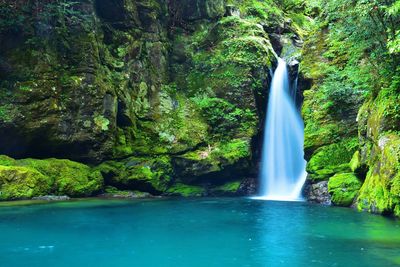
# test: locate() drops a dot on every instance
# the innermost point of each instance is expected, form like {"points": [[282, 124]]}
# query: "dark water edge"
{"points": [[194, 232]]}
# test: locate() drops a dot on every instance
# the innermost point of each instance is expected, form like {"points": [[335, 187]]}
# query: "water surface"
{"points": [[198, 232]]}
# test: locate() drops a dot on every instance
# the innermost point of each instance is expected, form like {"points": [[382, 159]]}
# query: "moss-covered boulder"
{"points": [[62, 177], [69, 178], [18, 182], [331, 159], [343, 188]]}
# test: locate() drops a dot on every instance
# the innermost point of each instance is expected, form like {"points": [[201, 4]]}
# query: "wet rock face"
{"points": [[70, 103], [53, 92], [248, 187], [318, 193]]}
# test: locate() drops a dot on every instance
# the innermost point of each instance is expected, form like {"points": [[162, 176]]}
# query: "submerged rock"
{"points": [[52, 198], [112, 192]]}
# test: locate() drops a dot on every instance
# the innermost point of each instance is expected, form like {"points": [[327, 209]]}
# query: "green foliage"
{"points": [[224, 118], [10, 20], [178, 125], [60, 14], [360, 37]]}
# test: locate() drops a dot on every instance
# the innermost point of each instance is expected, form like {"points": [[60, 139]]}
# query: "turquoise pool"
{"points": [[194, 232]]}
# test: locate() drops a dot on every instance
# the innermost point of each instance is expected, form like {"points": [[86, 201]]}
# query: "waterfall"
{"points": [[283, 166]]}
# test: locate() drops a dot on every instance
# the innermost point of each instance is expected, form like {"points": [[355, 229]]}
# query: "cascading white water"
{"points": [[283, 166]]}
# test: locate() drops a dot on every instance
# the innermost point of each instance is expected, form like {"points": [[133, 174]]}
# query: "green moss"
{"points": [[229, 188], [343, 188], [18, 182], [331, 159], [233, 151], [65, 177], [185, 190], [384, 115], [225, 119], [321, 126], [225, 153], [122, 147], [70, 178], [177, 126], [380, 192], [151, 175], [355, 162], [7, 161], [6, 112], [237, 48], [203, 165]]}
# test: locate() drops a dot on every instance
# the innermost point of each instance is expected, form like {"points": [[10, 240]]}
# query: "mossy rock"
{"points": [[65, 177], [214, 163], [152, 175], [331, 159], [355, 162], [176, 126], [227, 189], [380, 192], [17, 182], [383, 113], [343, 188], [70, 178]]}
